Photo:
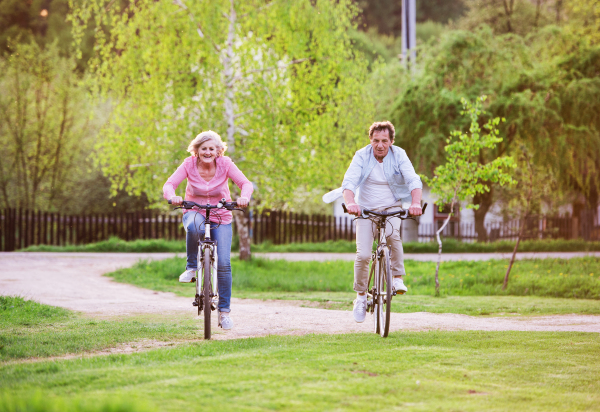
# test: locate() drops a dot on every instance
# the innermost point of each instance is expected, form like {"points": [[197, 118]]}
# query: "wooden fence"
{"points": [[286, 227], [20, 228], [536, 227]]}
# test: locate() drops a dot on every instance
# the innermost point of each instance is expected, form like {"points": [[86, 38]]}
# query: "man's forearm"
{"points": [[349, 197], [416, 196]]}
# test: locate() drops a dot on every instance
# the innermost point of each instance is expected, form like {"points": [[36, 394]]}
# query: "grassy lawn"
{"points": [[416, 371], [29, 329], [537, 287], [340, 246]]}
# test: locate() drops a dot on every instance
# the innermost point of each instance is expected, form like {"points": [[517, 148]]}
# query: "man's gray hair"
{"points": [[381, 126]]}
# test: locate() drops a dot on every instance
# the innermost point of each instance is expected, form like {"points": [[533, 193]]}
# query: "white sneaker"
{"points": [[187, 276], [399, 286], [360, 310], [225, 321]]}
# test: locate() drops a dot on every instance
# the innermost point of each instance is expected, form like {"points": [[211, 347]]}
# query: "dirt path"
{"points": [[75, 281]]}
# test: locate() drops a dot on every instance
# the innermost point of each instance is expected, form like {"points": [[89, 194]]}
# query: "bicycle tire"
{"points": [[207, 291], [385, 293], [375, 297]]}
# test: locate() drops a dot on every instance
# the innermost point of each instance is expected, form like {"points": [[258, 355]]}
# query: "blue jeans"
{"points": [[193, 222]]}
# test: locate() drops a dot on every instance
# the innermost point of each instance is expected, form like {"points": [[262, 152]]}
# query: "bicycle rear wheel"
{"points": [[385, 293], [207, 292]]}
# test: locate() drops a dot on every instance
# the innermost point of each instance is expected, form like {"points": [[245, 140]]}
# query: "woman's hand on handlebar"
{"points": [[176, 200], [242, 201], [354, 209], [415, 210]]}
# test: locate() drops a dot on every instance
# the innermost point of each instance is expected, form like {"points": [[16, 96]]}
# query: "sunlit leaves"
{"points": [[462, 175]]}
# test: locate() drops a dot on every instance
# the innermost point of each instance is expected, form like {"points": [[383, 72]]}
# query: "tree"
{"points": [[542, 84], [280, 77], [43, 125], [462, 175], [534, 184], [584, 19], [509, 16]]}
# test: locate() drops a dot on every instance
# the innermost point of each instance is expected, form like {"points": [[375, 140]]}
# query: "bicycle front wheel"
{"points": [[385, 293], [206, 291], [375, 292]]}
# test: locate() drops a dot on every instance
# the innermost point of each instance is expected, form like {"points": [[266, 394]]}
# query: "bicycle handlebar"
{"points": [[188, 204], [402, 213]]}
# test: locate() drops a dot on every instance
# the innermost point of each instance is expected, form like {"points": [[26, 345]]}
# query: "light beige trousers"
{"points": [[366, 231]]}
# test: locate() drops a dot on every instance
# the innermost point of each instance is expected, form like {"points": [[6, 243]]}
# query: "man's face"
{"points": [[381, 143]]}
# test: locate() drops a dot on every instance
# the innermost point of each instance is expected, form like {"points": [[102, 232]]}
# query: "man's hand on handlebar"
{"points": [[415, 210], [242, 201], [176, 200], [354, 209]]}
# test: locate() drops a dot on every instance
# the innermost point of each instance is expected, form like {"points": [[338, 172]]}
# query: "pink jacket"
{"points": [[202, 192]]}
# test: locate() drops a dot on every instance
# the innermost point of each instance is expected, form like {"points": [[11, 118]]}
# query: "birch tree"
{"points": [[462, 176], [278, 80]]}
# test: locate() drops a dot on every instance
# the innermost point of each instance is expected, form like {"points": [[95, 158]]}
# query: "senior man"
{"points": [[380, 177]]}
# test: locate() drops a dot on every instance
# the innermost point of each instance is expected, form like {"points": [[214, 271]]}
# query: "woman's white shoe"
{"points": [[187, 276], [225, 321]]}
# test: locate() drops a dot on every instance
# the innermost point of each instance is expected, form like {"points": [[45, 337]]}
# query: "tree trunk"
{"points": [[243, 229], [484, 200], [514, 254]]}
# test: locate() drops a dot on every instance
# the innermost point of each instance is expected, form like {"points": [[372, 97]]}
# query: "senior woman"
{"points": [[207, 171]]}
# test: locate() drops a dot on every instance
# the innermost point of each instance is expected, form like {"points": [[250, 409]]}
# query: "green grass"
{"points": [[412, 371], [449, 246], [39, 402], [559, 278], [339, 246], [29, 329], [115, 244]]}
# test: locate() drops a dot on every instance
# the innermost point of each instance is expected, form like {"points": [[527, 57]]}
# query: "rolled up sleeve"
{"points": [[352, 175], [411, 178]]}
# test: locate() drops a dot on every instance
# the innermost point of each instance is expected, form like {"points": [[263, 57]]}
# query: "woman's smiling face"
{"points": [[207, 152]]}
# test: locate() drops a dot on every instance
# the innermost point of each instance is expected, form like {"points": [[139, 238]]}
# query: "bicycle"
{"points": [[380, 293], [206, 286]]}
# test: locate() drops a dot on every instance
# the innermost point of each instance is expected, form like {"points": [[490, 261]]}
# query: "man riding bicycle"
{"points": [[380, 177]]}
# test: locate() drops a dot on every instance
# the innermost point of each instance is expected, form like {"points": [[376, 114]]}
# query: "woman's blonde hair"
{"points": [[205, 137]]}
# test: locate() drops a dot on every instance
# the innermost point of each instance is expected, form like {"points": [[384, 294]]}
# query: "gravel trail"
{"points": [[74, 281]]}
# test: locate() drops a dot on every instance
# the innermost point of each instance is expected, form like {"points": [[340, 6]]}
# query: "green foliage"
{"points": [[463, 176], [516, 16], [286, 86], [429, 31], [564, 278], [385, 16], [584, 19], [543, 84], [44, 129]]}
